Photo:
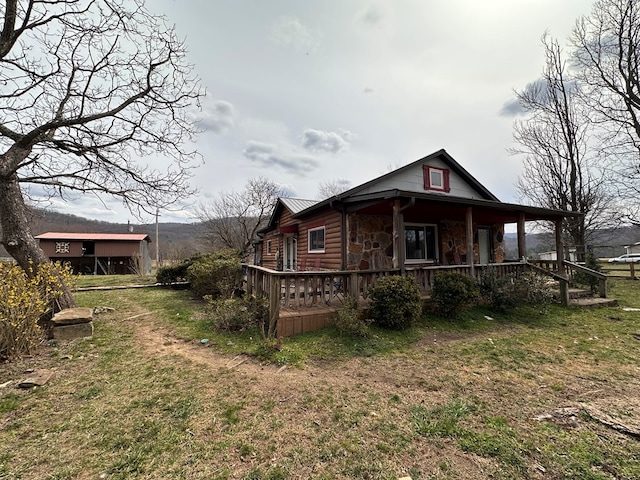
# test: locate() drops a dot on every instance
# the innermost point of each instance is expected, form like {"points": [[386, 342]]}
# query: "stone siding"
{"points": [[453, 246], [369, 242]]}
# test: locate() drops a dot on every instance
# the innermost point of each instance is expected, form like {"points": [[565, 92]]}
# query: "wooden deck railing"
{"points": [[296, 290], [572, 270]]}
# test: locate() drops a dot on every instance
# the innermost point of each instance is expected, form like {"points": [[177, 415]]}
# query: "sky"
{"points": [[304, 92]]}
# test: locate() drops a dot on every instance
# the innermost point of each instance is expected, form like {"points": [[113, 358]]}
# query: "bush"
{"points": [[174, 273], [498, 292], [509, 291], [348, 319], [590, 261], [25, 301], [452, 292], [395, 302], [218, 274], [238, 314]]}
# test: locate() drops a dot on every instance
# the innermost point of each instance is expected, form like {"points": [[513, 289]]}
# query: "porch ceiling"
{"points": [[435, 208]]}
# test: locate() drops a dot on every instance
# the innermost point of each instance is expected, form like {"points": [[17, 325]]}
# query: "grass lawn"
{"points": [[532, 394]]}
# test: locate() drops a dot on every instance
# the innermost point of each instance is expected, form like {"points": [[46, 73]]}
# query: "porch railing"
{"points": [[299, 289], [572, 270]]}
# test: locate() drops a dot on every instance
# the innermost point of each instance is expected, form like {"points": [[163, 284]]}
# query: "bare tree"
{"points": [[94, 95], [234, 218], [607, 53], [559, 168], [331, 188]]}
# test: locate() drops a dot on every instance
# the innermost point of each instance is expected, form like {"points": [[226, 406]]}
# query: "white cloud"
{"points": [[291, 32], [269, 156], [322, 141], [216, 117]]}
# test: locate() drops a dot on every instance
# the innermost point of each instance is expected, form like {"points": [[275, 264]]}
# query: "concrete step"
{"points": [[593, 302]]}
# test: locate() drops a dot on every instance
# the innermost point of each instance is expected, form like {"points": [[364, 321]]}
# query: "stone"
{"points": [[72, 316], [38, 379], [70, 332]]}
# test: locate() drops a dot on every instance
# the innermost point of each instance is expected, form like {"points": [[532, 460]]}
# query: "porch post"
{"points": [[564, 285], [522, 245], [396, 234], [469, 228]]}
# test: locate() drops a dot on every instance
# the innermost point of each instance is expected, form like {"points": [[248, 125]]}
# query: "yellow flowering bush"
{"points": [[24, 300]]}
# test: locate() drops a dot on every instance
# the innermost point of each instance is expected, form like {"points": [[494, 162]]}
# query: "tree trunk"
{"points": [[17, 238]]}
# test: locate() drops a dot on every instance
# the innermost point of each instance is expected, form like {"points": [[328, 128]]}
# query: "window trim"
{"points": [[269, 245], [444, 175], [434, 260], [324, 239]]}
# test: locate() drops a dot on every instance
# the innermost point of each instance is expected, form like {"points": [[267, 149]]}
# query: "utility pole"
{"points": [[157, 244]]}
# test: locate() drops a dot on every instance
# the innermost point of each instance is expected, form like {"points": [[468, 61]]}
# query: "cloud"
{"points": [[321, 141], [511, 108], [217, 117], [291, 32], [372, 15], [267, 155]]}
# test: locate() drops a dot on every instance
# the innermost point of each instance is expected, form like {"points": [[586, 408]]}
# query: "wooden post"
{"points": [[632, 270], [250, 280], [396, 234], [470, 250], [274, 305], [564, 284], [522, 245]]}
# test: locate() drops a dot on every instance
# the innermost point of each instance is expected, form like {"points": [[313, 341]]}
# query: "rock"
{"points": [[73, 323], [38, 379], [70, 332], [72, 316]]}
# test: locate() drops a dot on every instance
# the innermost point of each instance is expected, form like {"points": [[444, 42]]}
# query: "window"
{"points": [[420, 243], [62, 247], [436, 178], [269, 252], [316, 240]]}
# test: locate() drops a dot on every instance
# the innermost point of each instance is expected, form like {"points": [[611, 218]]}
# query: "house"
{"points": [[635, 248], [99, 253], [431, 212], [552, 255], [428, 216]]}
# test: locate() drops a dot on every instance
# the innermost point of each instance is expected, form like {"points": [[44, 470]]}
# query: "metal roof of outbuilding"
{"points": [[93, 236]]}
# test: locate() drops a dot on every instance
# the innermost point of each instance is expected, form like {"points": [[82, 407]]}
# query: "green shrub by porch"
{"points": [[218, 274], [395, 302], [452, 292]]}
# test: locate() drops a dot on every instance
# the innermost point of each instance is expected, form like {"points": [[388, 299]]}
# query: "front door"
{"points": [[484, 245], [290, 252]]}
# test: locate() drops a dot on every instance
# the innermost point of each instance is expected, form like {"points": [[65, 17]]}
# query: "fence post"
{"points": [[633, 273], [274, 305]]}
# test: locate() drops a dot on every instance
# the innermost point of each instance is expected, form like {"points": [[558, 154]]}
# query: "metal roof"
{"points": [[296, 205], [131, 237]]}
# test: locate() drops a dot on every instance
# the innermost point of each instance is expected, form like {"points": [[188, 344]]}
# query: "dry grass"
{"points": [[145, 399]]}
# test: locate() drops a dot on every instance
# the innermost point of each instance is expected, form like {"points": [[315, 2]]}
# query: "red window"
{"points": [[436, 178]]}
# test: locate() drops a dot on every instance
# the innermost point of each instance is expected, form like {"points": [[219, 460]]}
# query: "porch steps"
{"points": [[584, 298]]}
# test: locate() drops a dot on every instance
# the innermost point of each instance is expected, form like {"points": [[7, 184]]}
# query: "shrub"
{"points": [[218, 274], [238, 314], [25, 301], [395, 302], [348, 319], [452, 292], [590, 261], [509, 291], [534, 288], [173, 273], [498, 292]]}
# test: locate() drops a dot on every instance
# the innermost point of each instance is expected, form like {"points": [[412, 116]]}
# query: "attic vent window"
{"points": [[436, 178]]}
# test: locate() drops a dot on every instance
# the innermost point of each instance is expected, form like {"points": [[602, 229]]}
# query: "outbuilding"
{"points": [[99, 253]]}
